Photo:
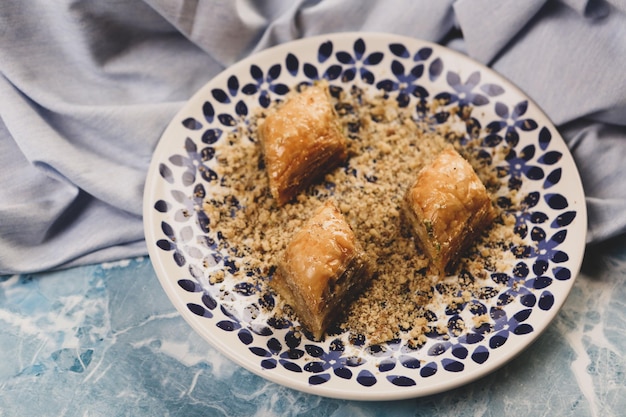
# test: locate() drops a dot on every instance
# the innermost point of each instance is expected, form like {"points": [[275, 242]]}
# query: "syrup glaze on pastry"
{"points": [[323, 268], [448, 207], [302, 141]]}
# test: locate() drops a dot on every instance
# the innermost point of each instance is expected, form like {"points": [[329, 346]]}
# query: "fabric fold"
{"points": [[489, 26], [88, 87], [598, 150]]}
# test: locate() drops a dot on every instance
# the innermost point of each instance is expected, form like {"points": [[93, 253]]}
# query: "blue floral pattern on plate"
{"points": [[551, 220]]}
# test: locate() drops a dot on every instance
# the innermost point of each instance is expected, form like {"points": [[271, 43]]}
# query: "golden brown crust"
{"points": [[301, 142], [322, 269], [448, 207]]}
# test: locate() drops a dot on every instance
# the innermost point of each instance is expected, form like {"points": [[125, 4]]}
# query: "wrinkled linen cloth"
{"points": [[87, 87]]}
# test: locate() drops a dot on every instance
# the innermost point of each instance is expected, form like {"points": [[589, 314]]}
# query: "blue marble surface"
{"points": [[104, 340]]}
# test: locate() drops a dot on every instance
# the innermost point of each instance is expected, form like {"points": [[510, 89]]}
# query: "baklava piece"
{"points": [[302, 141], [322, 270], [448, 207]]}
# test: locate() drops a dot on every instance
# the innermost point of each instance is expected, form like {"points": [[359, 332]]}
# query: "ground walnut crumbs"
{"points": [[387, 146]]}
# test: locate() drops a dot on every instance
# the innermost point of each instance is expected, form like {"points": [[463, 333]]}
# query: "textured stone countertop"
{"points": [[104, 340]]}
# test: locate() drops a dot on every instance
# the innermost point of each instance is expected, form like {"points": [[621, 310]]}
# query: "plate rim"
{"points": [[221, 345]]}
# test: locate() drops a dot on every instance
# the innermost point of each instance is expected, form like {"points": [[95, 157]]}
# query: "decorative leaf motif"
{"points": [[250, 89], [192, 124], [401, 380], [314, 367], [319, 379], [526, 124], [325, 51], [333, 72], [473, 79], [344, 373], [344, 58], [399, 50], [497, 341], [556, 201], [546, 300], [544, 138], [366, 76], [314, 351], [208, 111], [423, 54], [437, 349], [479, 100], [179, 258], [162, 206], [233, 85], [273, 73], [550, 158], [209, 301], [435, 69], [280, 89], [359, 48], [245, 336], [290, 366], [268, 363], [460, 352], [220, 95], [310, 71], [274, 345], [259, 352], [226, 119], [452, 365], [453, 78], [168, 230], [410, 362], [166, 245], [397, 68], [386, 365], [366, 378], [535, 173], [256, 72], [540, 267], [195, 270], [562, 274], [528, 152], [523, 329], [520, 109], [241, 109], [564, 219], [228, 326], [210, 136], [502, 110], [553, 178], [417, 72], [198, 310], [166, 173], [522, 315], [348, 75], [292, 64], [492, 90], [374, 58], [542, 282], [528, 300], [428, 370]]}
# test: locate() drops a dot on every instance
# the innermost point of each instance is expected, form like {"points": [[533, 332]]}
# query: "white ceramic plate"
{"points": [[553, 221]]}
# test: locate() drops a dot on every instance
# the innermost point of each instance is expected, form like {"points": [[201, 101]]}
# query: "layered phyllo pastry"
{"points": [[448, 207], [302, 141], [323, 268]]}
